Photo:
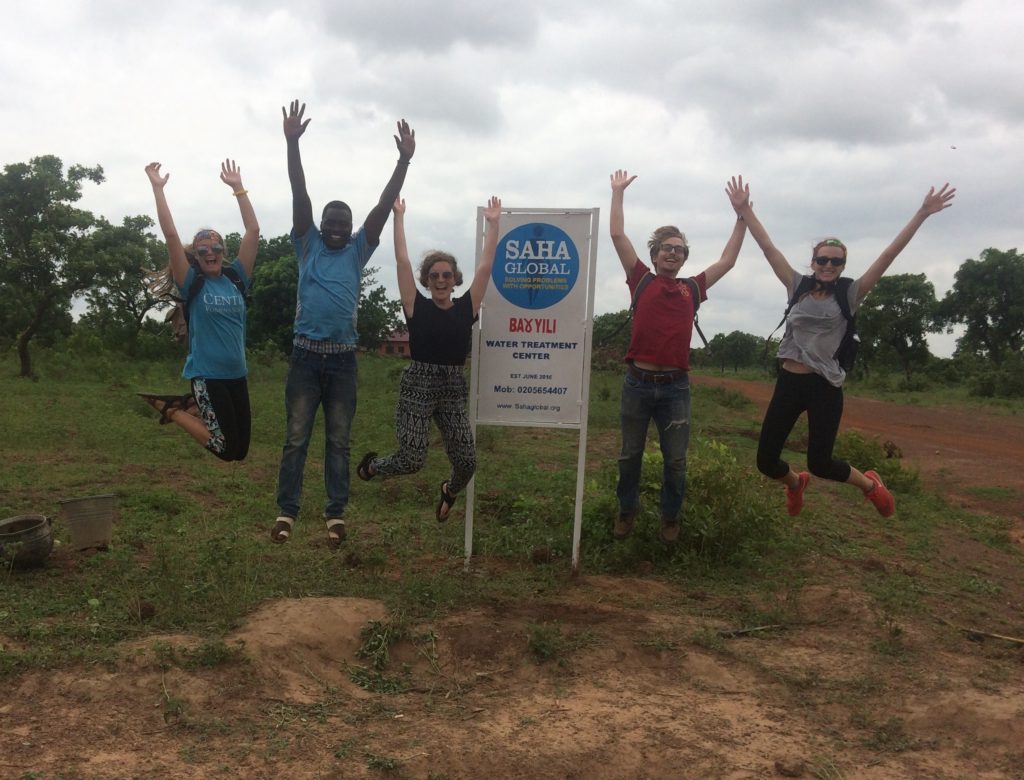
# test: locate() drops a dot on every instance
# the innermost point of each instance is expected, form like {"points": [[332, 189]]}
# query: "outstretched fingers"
{"points": [[937, 201], [493, 210], [231, 174], [405, 141], [293, 123], [738, 192], [621, 179]]}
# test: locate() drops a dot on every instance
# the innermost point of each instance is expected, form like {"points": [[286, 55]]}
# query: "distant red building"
{"points": [[395, 344]]}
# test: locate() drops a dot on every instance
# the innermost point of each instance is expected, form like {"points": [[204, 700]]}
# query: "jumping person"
{"points": [[433, 385], [656, 386], [811, 379], [217, 413], [322, 366]]}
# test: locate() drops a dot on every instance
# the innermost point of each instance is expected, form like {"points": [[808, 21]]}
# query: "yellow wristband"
{"points": [[240, 193]]}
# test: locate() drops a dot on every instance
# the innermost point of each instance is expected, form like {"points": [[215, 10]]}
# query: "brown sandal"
{"points": [[335, 532], [282, 530]]}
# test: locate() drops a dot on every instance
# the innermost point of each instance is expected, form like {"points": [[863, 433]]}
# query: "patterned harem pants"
{"points": [[431, 391]]}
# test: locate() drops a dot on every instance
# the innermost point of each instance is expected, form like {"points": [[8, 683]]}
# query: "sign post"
{"points": [[532, 344]]}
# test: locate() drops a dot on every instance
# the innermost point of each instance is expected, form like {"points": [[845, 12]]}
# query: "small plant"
{"points": [[547, 643], [382, 763], [378, 682], [378, 636]]}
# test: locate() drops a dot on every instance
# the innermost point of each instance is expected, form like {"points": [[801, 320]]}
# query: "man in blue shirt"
{"points": [[322, 367]]}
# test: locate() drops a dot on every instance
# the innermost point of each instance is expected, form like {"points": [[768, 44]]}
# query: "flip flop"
{"points": [[282, 529], [363, 469], [335, 532], [447, 500]]}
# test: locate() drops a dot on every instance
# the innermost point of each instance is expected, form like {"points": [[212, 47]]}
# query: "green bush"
{"points": [[864, 454]]}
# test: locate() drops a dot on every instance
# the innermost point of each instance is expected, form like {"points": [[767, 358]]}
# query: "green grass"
{"points": [[192, 553]]}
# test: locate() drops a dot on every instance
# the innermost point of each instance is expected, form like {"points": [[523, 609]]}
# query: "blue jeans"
{"points": [[315, 380], [669, 406]]}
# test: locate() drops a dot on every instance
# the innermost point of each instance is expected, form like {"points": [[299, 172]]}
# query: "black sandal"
{"points": [[363, 469], [171, 404], [447, 499]]}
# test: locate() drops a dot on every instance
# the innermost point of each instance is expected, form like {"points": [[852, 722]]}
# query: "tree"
{"points": [[988, 298], [893, 320], [738, 349], [378, 315], [43, 260], [272, 296], [120, 299]]}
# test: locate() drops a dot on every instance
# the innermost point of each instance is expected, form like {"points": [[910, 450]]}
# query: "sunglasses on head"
{"points": [[836, 261], [435, 275], [203, 251], [676, 249]]}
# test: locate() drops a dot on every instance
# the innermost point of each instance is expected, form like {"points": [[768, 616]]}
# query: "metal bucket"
{"points": [[90, 520], [26, 540]]}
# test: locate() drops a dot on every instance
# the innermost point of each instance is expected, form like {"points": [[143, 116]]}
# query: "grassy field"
{"points": [[192, 555]]}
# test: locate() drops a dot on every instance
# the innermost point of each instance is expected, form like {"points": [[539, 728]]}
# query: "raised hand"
{"points": [[934, 202], [405, 141], [398, 207], [738, 192], [231, 175], [294, 126], [493, 211], [153, 172], [621, 180]]}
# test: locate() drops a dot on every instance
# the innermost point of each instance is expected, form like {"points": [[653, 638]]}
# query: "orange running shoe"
{"points": [[795, 496], [879, 495]]}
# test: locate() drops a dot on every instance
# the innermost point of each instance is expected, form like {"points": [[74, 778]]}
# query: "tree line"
{"points": [[53, 253]]}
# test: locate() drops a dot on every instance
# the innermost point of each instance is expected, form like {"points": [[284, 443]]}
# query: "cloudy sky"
{"points": [[840, 115]]}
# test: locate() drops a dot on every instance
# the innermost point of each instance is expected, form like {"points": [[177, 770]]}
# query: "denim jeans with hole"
{"points": [[316, 380], [669, 406]]}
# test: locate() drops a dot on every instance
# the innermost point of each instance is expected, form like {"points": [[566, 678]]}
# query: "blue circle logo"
{"points": [[536, 266]]}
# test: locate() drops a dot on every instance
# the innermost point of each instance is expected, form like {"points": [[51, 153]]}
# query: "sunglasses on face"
{"points": [[673, 249], [203, 251], [435, 275], [835, 261]]}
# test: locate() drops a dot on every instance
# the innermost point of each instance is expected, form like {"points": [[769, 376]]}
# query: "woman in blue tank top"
{"points": [[217, 413]]}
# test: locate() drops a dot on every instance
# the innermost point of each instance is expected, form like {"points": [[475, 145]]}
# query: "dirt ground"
{"points": [[636, 686]]}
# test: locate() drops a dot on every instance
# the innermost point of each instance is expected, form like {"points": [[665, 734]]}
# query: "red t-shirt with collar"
{"points": [[663, 320]]}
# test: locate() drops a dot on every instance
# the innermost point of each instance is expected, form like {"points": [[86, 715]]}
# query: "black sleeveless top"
{"points": [[441, 336]]}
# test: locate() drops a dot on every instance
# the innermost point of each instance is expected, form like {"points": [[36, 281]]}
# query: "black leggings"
{"points": [[224, 408], [795, 394]]}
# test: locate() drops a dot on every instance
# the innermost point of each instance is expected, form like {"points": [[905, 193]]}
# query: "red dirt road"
{"points": [[959, 453]]}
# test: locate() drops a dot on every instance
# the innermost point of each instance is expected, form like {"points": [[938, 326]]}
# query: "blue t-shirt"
{"points": [[216, 327], [328, 294]]}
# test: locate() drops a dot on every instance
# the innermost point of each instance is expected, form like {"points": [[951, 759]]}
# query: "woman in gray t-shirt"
{"points": [[811, 379]]}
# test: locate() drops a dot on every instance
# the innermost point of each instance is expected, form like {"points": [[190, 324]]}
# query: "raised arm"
{"points": [[617, 222], [934, 202], [739, 196], [175, 251], [482, 277], [302, 207], [406, 143], [231, 175], [726, 262], [403, 267]]}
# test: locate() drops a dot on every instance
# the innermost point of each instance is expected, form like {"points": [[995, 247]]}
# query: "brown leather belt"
{"points": [[655, 377]]}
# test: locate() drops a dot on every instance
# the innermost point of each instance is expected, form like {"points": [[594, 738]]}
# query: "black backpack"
{"points": [[846, 354], [177, 316]]}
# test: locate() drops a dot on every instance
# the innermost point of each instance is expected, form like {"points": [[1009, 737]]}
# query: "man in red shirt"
{"points": [[657, 385]]}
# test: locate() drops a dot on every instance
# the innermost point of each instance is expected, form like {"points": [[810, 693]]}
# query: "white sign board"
{"points": [[531, 355]]}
